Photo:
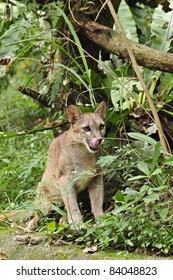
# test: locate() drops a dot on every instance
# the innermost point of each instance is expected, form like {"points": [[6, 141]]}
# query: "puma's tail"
{"points": [[16, 215]]}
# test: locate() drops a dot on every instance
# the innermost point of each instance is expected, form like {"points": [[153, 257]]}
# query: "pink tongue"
{"points": [[94, 143]]}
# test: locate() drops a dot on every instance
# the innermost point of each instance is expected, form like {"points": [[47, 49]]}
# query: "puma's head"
{"points": [[88, 128]]}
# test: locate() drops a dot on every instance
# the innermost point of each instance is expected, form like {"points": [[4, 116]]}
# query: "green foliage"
{"points": [[152, 28], [34, 31], [143, 210], [129, 24], [33, 39], [18, 112], [140, 176], [27, 40], [22, 159], [156, 32], [125, 92], [22, 162]]}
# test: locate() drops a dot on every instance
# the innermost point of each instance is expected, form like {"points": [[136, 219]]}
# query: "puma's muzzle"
{"points": [[94, 144]]}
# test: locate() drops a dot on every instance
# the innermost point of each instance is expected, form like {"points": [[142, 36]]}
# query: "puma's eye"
{"points": [[102, 126], [87, 128]]}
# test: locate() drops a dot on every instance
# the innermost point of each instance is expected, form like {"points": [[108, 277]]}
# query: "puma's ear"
{"points": [[101, 110], [73, 114]]}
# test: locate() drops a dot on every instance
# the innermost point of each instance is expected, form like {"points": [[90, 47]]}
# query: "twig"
{"points": [[51, 126], [162, 137]]}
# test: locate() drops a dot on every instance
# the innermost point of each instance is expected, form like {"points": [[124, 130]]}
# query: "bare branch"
{"points": [[35, 95]]}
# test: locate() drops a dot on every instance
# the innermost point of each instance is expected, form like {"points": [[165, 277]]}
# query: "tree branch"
{"points": [[112, 42], [34, 94]]}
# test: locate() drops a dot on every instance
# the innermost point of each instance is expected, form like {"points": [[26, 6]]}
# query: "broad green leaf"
{"points": [[131, 192], [119, 196], [125, 91], [142, 137], [160, 39], [167, 85], [5, 160], [143, 17], [120, 209], [151, 198], [156, 155], [145, 188], [169, 161], [161, 36], [160, 188], [51, 226], [143, 167], [158, 245], [157, 171], [129, 242], [138, 177], [128, 23], [163, 213]]}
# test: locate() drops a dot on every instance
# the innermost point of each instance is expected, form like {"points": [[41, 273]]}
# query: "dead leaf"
{"points": [[3, 256], [90, 250]]}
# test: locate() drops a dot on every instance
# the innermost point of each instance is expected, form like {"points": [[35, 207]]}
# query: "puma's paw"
{"points": [[97, 215], [76, 225]]}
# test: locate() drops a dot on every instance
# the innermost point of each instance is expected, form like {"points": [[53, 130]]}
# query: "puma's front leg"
{"points": [[69, 196], [96, 194]]}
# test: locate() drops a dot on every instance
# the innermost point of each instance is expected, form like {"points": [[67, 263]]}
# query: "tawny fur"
{"points": [[69, 155]]}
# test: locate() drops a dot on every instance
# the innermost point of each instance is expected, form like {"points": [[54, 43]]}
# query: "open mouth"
{"points": [[93, 149]]}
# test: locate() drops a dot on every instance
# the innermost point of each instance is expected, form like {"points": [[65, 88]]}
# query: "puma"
{"points": [[71, 155]]}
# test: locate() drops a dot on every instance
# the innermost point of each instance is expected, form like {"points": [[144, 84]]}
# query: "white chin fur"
{"points": [[89, 149]]}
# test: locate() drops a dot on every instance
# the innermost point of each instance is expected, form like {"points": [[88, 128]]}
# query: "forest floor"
{"points": [[46, 250]]}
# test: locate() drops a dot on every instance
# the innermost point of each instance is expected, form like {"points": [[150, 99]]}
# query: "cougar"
{"points": [[72, 167]]}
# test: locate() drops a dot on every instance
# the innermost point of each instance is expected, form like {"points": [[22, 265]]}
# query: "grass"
{"points": [[22, 158], [17, 111], [22, 164]]}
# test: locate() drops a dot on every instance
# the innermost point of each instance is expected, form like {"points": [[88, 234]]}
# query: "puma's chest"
{"points": [[80, 172]]}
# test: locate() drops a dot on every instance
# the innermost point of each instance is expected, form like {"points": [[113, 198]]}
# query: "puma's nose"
{"points": [[95, 143]]}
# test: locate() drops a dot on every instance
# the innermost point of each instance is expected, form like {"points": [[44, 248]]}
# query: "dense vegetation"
{"points": [[137, 170]]}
